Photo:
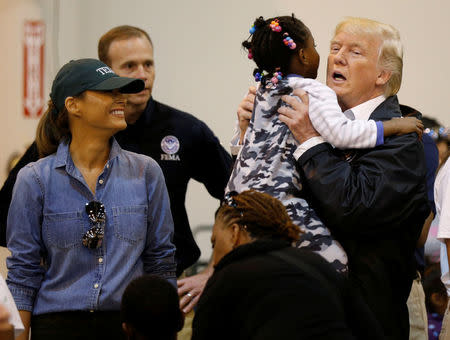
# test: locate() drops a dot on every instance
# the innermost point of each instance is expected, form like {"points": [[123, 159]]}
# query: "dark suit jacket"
{"points": [[374, 201]]}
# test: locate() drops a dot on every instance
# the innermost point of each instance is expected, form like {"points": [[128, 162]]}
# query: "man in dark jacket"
{"points": [[184, 147], [374, 201]]}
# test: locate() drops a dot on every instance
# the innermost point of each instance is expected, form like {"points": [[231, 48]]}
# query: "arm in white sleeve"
{"points": [[328, 119], [442, 197], [235, 147]]}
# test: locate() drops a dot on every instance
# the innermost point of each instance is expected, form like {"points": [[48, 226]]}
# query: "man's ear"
{"points": [[72, 106], [383, 77]]}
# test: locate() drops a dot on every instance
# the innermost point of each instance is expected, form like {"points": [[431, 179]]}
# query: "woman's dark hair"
{"points": [[52, 129], [264, 216], [267, 47]]}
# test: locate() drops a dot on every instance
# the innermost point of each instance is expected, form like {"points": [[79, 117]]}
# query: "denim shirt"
{"points": [[47, 219]]}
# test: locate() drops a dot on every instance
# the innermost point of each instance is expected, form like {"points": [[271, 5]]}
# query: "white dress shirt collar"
{"points": [[364, 110]]}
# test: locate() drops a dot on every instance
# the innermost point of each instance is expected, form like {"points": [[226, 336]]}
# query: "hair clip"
{"points": [[275, 26], [229, 200], [259, 75], [438, 132], [277, 76], [250, 55], [443, 132], [252, 29], [288, 41]]}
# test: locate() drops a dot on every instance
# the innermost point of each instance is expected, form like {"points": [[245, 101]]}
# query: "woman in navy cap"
{"points": [[88, 217]]}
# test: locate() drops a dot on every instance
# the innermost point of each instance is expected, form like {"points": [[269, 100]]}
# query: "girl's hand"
{"points": [[402, 126], [244, 112]]}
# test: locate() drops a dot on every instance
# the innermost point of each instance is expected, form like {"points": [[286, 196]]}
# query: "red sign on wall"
{"points": [[33, 68]]}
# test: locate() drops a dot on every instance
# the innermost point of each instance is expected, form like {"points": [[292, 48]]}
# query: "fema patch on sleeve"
{"points": [[170, 145]]}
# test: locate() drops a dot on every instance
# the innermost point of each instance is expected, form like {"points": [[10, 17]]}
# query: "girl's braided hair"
{"points": [[267, 48]]}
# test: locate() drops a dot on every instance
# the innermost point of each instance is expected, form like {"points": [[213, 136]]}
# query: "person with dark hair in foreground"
{"points": [[150, 309], [263, 288]]}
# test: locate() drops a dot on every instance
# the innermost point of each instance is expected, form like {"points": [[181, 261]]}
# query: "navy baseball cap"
{"points": [[80, 75]]}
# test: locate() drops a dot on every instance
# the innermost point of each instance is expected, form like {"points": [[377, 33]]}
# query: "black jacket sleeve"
{"points": [[213, 163], [31, 155], [373, 192]]}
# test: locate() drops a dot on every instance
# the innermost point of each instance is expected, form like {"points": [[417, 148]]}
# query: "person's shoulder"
{"points": [[250, 261], [300, 81], [311, 258], [427, 139], [387, 108], [138, 159], [242, 264], [170, 112], [445, 169], [314, 87], [191, 126], [305, 266], [41, 168], [43, 162], [240, 274]]}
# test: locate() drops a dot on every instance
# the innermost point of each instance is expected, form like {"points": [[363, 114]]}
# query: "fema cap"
{"points": [[80, 75]]}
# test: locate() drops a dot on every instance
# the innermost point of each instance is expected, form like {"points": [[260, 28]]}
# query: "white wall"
{"points": [[201, 68], [15, 129]]}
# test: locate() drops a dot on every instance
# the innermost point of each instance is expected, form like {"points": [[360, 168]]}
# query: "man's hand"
{"points": [[191, 288], [245, 110], [296, 116]]}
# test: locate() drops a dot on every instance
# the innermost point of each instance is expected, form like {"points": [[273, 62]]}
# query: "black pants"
{"points": [[77, 325]]}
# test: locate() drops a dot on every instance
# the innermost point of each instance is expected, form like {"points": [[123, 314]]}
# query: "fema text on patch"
{"points": [[166, 157]]}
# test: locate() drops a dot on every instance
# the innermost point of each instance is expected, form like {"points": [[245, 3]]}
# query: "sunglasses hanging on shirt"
{"points": [[93, 238]]}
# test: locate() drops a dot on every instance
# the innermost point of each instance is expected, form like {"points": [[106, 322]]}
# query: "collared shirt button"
{"points": [[96, 285], [100, 260], [100, 181]]}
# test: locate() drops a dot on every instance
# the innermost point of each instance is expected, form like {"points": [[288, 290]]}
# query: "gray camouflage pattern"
{"points": [[266, 163]]}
